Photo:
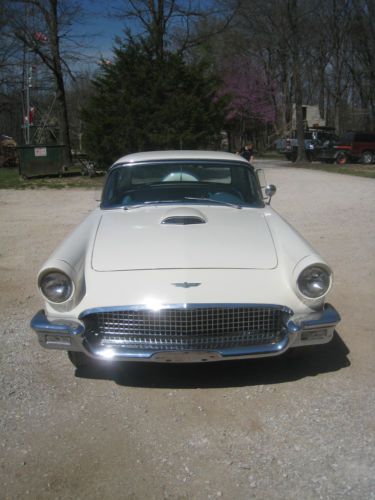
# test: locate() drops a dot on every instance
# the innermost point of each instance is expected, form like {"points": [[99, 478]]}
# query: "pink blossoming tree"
{"points": [[251, 108]]}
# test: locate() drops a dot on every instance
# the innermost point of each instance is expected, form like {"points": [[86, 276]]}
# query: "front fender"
{"points": [[70, 258]]}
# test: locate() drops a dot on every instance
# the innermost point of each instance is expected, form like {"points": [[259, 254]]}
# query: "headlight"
{"points": [[314, 281], [56, 286]]}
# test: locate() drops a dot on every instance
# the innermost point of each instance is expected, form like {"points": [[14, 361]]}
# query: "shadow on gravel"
{"points": [[303, 362]]}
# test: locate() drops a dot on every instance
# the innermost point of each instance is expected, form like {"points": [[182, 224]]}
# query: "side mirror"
{"points": [[270, 191]]}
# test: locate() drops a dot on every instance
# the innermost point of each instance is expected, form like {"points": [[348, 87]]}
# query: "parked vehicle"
{"points": [[184, 261], [353, 146], [313, 137]]}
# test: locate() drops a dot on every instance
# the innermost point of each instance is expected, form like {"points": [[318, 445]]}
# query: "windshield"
{"points": [[182, 182]]}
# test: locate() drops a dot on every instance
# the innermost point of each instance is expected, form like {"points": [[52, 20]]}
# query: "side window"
{"points": [[109, 189], [117, 183], [347, 138], [360, 138], [367, 137]]}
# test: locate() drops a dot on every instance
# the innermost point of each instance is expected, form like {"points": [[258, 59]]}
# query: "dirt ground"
{"points": [[273, 428]]}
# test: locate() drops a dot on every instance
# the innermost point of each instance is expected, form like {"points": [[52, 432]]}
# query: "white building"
{"points": [[311, 117]]}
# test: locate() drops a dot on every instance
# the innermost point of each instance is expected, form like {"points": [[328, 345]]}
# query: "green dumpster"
{"points": [[41, 159]]}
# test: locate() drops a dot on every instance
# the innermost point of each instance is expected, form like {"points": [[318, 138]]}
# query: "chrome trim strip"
{"points": [[327, 318], [195, 356], [41, 324], [145, 307], [330, 317]]}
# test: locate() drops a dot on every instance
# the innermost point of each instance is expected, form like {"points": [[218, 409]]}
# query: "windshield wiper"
{"points": [[218, 202], [148, 203]]}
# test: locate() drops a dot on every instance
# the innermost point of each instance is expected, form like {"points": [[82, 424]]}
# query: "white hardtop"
{"points": [[150, 156]]}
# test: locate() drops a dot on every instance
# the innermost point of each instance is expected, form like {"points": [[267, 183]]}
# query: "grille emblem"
{"points": [[185, 284]]}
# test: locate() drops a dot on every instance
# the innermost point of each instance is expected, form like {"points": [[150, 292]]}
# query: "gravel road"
{"points": [[280, 428]]}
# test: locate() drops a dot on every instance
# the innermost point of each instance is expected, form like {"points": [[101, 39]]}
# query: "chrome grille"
{"points": [[185, 328]]}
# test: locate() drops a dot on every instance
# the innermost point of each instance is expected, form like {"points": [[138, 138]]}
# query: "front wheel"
{"points": [[341, 158], [367, 157], [79, 359]]}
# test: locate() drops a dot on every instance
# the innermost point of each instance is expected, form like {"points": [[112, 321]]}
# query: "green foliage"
{"points": [[10, 179], [144, 103]]}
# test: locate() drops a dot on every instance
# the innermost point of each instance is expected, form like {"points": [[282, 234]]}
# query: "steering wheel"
{"points": [[226, 197], [179, 177]]}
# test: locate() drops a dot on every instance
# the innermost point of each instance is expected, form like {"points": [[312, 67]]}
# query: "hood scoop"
{"points": [[183, 220], [183, 217]]}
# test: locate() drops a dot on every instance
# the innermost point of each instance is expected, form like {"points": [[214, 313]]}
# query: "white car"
{"points": [[184, 261]]}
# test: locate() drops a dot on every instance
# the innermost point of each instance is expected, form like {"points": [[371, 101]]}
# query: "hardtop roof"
{"points": [[151, 156]]}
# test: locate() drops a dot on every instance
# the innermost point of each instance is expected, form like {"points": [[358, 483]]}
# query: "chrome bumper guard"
{"points": [[316, 328]]}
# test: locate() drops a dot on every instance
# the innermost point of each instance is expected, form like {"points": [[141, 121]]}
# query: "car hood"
{"points": [[206, 237]]}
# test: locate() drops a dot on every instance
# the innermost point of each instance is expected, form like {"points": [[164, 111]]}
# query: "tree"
{"points": [[294, 19], [274, 35], [172, 24], [362, 62], [141, 102], [251, 108], [40, 25], [336, 18]]}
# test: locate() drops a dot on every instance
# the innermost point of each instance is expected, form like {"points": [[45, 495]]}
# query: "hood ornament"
{"points": [[185, 284]]}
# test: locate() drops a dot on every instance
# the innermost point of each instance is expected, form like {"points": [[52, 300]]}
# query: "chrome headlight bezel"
{"points": [[56, 286], [314, 281]]}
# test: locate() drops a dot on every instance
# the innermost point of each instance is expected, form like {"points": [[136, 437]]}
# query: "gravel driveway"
{"points": [[273, 428]]}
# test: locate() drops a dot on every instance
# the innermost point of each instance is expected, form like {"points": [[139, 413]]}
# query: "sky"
{"points": [[100, 27], [99, 22]]}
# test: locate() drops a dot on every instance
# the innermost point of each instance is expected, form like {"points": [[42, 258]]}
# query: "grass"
{"points": [[10, 179]]}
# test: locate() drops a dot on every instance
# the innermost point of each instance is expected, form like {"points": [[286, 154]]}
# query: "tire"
{"points": [[79, 359], [341, 158], [292, 353], [299, 353], [367, 157], [308, 156]]}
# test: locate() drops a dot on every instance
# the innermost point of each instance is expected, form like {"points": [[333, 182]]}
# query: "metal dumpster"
{"points": [[41, 159]]}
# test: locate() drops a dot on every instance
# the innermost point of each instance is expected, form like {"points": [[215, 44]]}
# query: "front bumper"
{"points": [[325, 154], [311, 329]]}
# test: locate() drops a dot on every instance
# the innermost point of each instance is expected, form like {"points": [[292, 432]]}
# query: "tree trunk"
{"points": [[64, 135], [294, 23], [301, 156]]}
